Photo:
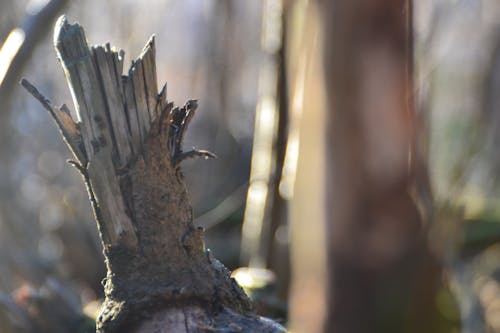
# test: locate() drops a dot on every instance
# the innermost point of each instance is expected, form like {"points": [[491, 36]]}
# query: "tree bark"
{"points": [[377, 185], [127, 146]]}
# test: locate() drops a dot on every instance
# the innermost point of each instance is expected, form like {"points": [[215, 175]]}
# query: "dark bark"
{"points": [[376, 176]]}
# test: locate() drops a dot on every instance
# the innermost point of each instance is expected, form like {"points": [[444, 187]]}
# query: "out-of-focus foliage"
{"points": [[458, 87]]}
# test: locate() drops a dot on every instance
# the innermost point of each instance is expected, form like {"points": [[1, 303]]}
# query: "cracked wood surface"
{"points": [[127, 142]]}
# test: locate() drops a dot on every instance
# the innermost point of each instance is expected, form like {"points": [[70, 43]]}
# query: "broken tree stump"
{"points": [[126, 142]]}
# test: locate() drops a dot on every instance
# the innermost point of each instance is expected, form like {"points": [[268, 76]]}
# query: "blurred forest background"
{"points": [[255, 68]]}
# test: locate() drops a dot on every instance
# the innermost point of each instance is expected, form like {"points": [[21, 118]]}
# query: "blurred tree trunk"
{"points": [[127, 146], [303, 175], [380, 273]]}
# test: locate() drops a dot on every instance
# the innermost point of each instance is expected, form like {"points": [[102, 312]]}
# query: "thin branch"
{"points": [[38, 95], [64, 122], [192, 154], [223, 209], [93, 201]]}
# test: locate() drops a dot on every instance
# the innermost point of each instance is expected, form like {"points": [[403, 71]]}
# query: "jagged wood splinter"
{"points": [[127, 145]]}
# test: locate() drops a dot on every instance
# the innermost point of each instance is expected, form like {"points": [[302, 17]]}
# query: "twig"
{"points": [[41, 98], [181, 156], [64, 122]]}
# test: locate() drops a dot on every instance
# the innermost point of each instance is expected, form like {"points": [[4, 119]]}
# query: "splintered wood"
{"points": [[114, 116], [127, 144]]}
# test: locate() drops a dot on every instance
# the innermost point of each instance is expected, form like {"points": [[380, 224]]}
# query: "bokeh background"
{"points": [[251, 65]]}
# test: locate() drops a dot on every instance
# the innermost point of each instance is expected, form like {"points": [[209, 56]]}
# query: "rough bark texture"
{"points": [[127, 145]]}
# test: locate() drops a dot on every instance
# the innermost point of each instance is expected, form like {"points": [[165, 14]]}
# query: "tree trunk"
{"points": [[127, 146], [376, 178]]}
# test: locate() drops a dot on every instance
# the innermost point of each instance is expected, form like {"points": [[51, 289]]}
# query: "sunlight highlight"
{"points": [[9, 50]]}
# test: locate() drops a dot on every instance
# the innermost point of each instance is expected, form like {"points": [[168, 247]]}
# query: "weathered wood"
{"points": [[113, 102], [148, 65], [131, 111], [79, 65], [141, 103], [158, 268]]}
